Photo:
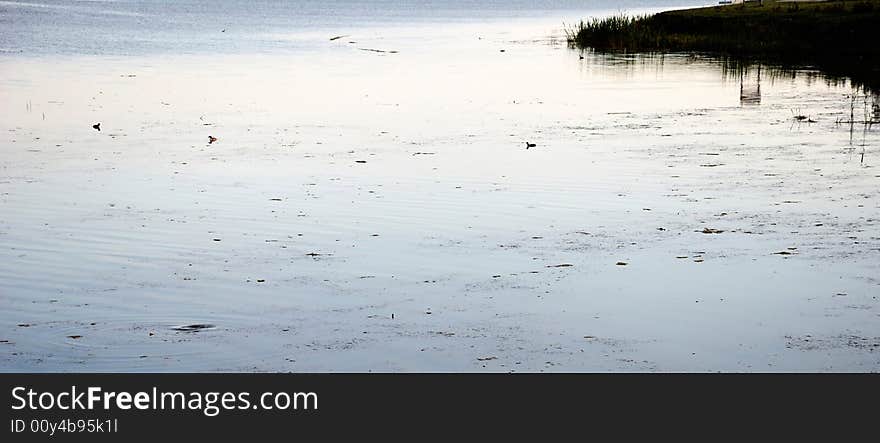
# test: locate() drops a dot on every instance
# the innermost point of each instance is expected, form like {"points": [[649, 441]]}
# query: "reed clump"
{"points": [[835, 34]]}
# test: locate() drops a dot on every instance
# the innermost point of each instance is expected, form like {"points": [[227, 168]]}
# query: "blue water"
{"points": [[132, 27]]}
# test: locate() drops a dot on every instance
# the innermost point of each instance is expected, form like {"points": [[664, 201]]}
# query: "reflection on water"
{"points": [[870, 115], [750, 88], [378, 211], [744, 72]]}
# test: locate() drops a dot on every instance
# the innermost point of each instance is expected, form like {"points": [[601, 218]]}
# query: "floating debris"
{"points": [[804, 118], [75, 337], [711, 231], [193, 327], [621, 263], [487, 358], [378, 50], [561, 265]]}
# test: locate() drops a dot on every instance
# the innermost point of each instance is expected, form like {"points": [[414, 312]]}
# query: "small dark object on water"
{"points": [[711, 231], [562, 265], [582, 57], [378, 50], [530, 145], [502, 50], [74, 336], [260, 280], [360, 161], [621, 263], [211, 139], [804, 118], [487, 358], [216, 239], [194, 327], [97, 126]]}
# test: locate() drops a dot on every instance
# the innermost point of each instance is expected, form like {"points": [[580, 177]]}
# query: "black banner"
{"points": [[196, 407]]}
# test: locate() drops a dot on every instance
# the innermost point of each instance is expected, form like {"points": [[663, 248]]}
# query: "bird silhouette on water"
{"points": [[530, 145], [97, 126], [211, 139]]}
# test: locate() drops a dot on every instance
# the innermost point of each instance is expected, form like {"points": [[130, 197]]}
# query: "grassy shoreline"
{"points": [[840, 37]]}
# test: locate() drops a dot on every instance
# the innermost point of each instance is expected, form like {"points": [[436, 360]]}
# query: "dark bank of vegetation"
{"points": [[839, 37]]}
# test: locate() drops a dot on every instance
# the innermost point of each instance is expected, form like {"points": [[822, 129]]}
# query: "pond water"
{"points": [[369, 203]]}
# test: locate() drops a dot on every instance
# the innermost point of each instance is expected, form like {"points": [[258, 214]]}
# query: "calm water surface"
{"points": [[379, 211]]}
